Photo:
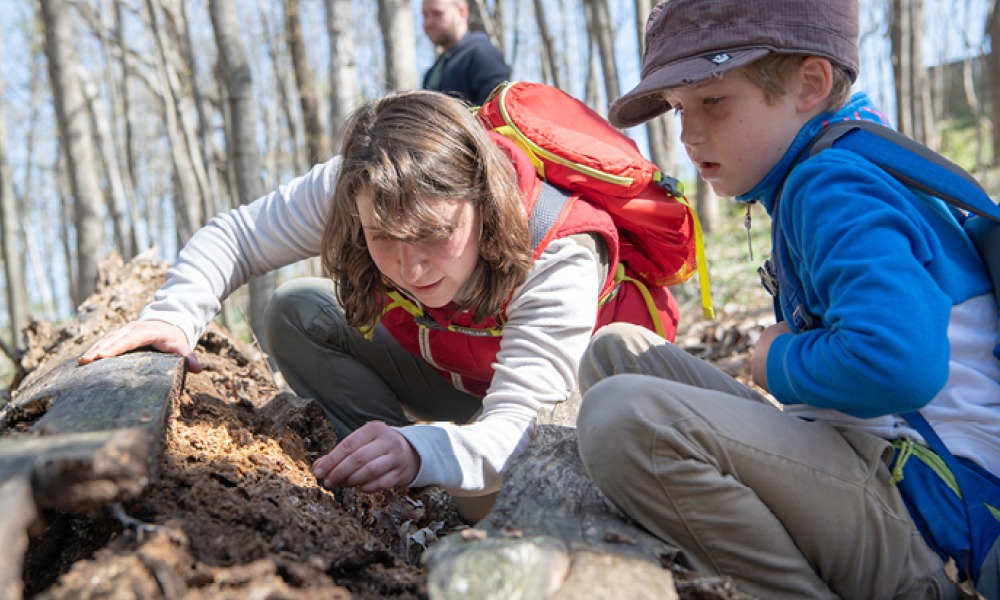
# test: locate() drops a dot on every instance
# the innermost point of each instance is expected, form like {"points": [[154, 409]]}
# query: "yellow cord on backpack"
{"points": [[701, 263], [646, 296]]}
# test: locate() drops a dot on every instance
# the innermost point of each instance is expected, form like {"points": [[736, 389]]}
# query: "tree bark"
{"points": [[707, 205], [13, 261], [659, 131], [551, 534], [189, 201], [548, 46], [604, 31], [991, 68], [316, 140], [76, 139], [117, 202], [344, 94], [343, 69], [899, 35], [29, 232], [396, 22], [241, 138]]}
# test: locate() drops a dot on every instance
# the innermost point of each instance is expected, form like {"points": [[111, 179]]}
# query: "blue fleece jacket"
{"points": [[897, 311]]}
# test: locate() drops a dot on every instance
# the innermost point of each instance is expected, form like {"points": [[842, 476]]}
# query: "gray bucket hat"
{"points": [[690, 41]]}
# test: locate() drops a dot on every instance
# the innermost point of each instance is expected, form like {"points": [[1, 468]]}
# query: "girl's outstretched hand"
{"points": [[161, 335], [374, 457]]}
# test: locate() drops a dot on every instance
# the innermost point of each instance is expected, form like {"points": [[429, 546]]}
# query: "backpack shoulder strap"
{"points": [[548, 212], [912, 163]]}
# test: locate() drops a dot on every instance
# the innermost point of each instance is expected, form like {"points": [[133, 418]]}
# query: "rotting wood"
{"points": [[83, 436], [549, 528], [129, 391], [18, 514]]}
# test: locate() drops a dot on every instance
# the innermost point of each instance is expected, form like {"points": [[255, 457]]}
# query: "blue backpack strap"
{"points": [[980, 491], [917, 167], [922, 169], [912, 163]]}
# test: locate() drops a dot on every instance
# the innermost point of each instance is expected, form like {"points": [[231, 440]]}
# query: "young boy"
{"points": [[886, 309]]}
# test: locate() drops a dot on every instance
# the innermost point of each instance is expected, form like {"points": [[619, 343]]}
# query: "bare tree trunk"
{"points": [[13, 261], [396, 21], [548, 46], [316, 140], [659, 131], [117, 203], [117, 87], [44, 280], [241, 138], [991, 68], [604, 31], [76, 139], [900, 37], [480, 19], [976, 109], [707, 205], [913, 112], [922, 110], [204, 145], [343, 69], [189, 202], [285, 143], [499, 12], [592, 91], [126, 114], [66, 210]]}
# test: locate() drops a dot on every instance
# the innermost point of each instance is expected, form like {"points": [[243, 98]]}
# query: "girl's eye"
{"points": [[714, 100]]}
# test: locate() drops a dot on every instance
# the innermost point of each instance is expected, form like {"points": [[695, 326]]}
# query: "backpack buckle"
{"points": [[672, 185], [769, 277]]}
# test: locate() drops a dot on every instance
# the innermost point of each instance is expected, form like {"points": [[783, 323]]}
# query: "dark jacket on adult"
{"points": [[469, 70]]}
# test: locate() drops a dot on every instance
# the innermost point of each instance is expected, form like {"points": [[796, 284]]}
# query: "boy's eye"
{"points": [[713, 100]]}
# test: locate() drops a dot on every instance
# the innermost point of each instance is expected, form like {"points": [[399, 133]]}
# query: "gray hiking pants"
{"points": [[355, 380], [786, 507]]}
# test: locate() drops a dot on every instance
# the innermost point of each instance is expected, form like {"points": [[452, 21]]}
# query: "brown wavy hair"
{"points": [[403, 149]]}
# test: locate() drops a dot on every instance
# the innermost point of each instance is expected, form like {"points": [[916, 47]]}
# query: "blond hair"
{"points": [[404, 149], [771, 73]]}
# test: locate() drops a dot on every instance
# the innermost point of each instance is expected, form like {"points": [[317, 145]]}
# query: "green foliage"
{"points": [[969, 144]]}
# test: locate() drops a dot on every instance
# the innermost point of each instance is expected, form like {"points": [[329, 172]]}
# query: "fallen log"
{"points": [[89, 436], [553, 534], [79, 437]]}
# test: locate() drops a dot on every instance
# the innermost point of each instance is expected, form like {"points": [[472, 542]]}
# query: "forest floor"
{"points": [[235, 512]]}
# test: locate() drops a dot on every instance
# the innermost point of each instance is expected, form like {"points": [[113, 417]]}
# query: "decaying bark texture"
{"points": [[552, 534], [78, 437]]}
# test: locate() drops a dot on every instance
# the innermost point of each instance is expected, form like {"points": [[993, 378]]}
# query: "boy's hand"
{"points": [[758, 362], [374, 457], [161, 335]]}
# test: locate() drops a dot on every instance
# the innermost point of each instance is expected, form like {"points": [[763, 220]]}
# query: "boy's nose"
{"points": [[691, 131]]}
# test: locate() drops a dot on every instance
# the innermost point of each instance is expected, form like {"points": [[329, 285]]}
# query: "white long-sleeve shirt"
{"points": [[550, 319]]}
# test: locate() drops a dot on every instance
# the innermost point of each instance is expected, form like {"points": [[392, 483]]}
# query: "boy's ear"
{"points": [[815, 79]]}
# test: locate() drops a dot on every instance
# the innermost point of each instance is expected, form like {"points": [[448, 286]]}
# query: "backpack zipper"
{"points": [[619, 180]]}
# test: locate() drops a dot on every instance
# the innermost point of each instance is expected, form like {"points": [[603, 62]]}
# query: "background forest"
{"points": [[126, 124]]}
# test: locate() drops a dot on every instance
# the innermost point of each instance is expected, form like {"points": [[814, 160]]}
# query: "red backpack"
{"points": [[577, 150]]}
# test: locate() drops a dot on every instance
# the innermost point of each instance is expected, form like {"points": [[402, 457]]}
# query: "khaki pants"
{"points": [[786, 507]]}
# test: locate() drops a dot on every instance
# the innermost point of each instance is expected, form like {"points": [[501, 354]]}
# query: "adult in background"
{"points": [[468, 65]]}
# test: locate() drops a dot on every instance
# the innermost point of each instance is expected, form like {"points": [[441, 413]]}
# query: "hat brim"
{"points": [[645, 101]]}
